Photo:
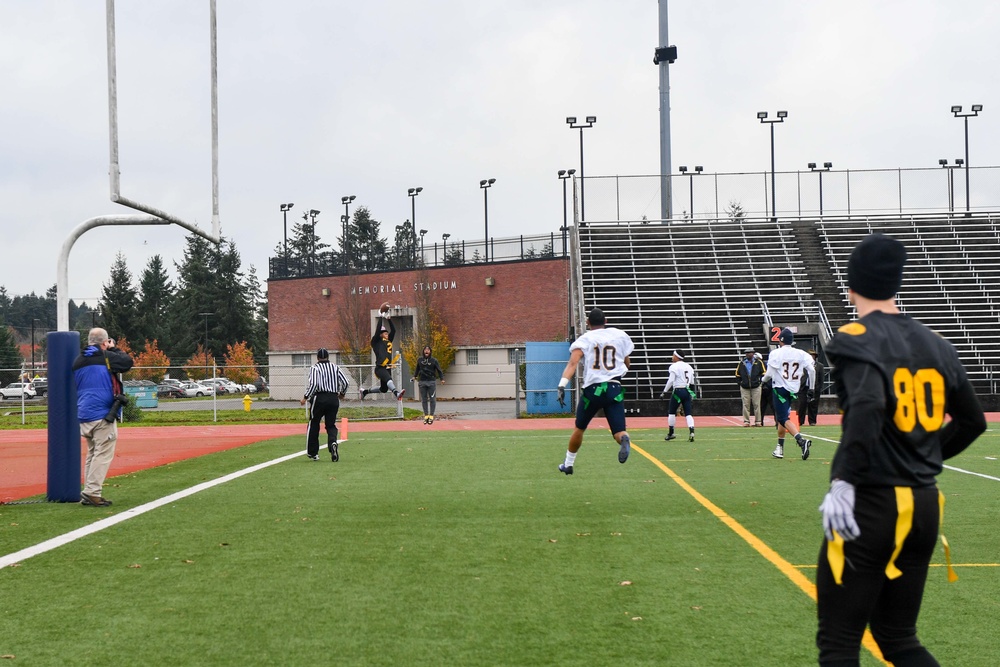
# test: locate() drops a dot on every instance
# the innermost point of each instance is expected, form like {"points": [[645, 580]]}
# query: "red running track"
{"points": [[23, 453]]}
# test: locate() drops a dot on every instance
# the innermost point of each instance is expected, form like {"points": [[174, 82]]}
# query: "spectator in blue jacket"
{"points": [[97, 373]]}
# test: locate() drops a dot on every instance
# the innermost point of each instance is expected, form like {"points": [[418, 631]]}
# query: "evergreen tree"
{"points": [[155, 295], [304, 246], [119, 301], [403, 248], [10, 356], [210, 280], [193, 296], [453, 256], [258, 339], [5, 302], [735, 211], [233, 303], [368, 248]]}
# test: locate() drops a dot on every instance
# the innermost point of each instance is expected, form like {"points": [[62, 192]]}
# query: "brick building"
{"points": [[490, 310]]}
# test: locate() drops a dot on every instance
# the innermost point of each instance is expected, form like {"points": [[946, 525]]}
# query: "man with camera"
{"points": [[97, 373]]}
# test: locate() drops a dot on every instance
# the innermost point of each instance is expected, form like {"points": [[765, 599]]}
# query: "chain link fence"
{"points": [[705, 196], [536, 390]]}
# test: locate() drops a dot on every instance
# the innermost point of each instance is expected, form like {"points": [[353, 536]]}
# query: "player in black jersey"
{"points": [[895, 381], [385, 332]]}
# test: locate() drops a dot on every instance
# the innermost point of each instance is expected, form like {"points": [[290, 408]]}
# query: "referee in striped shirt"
{"points": [[326, 386]]}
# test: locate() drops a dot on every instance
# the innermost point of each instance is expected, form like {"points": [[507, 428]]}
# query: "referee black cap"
{"points": [[322, 353]]}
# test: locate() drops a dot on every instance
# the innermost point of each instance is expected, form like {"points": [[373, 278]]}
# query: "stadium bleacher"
{"points": [[713, 287]]}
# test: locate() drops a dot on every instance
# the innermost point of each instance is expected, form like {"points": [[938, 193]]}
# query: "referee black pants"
{"points": [[322, 406], [875, 588]]}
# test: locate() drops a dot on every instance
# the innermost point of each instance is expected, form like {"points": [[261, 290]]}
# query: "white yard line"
{"points": [[977, 474], [97, 526]]}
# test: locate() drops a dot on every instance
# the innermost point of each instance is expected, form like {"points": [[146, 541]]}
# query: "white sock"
{"points": [[570, 458]]}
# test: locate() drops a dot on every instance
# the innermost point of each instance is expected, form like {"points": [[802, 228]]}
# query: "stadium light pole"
{"points": [[974, 111], [422, 232], [588, 122], [780, 118], [444, 249], [827, 166], [564, 175], [346, 201], [697, 170], [485, 186], [310, 216], [285, 208], [412, 193], [33, 320], [951, 180], [206, 316]]}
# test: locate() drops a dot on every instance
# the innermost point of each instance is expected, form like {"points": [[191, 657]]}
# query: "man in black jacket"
{"points": [[428, 373], [748, 374], [895, 381]]}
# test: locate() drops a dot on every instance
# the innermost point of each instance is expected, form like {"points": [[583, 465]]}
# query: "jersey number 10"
{"points": [[606, 356]]}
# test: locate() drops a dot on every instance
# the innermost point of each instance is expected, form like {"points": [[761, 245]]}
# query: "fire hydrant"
{"points": [[246, 402]]}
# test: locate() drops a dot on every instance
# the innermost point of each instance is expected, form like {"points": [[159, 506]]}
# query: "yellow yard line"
{"points": [[786, 568]]}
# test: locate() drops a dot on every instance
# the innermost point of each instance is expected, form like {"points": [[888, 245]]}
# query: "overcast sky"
{"points": [[320, 99]]}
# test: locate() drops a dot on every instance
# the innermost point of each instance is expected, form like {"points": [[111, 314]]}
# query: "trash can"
{"points": [[145, 397]]}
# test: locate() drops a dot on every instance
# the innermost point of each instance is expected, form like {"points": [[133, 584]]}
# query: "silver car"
{"points": [[17, 390]]}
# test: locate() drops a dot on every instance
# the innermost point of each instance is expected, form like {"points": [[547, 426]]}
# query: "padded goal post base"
{"points": [[64, 471]]}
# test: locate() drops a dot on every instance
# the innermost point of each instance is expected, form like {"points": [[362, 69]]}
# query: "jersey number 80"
{"points": [[913, 390]]}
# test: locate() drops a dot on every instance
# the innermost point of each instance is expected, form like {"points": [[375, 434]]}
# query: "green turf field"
{"points": [[470, 548]]}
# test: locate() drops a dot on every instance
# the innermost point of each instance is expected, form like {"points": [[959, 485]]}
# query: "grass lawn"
{"points": [[469, 548]]}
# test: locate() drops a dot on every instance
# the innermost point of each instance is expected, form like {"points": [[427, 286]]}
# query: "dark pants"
{"points": [[428, 396], [322, 407], [866, 595], [807, 410], [384, 375], [678, 398], [607, 396]]}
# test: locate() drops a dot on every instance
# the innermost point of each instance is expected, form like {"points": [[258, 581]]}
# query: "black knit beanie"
{"points": [[875, 269]]}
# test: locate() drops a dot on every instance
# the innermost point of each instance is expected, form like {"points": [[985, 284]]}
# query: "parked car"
{"points": [[18, 389], [169, 391], [172, 381], [222, 385], [192, 389], [41, 386]]}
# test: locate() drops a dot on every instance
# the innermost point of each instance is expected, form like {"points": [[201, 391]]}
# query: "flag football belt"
{"points": [[600, 389]]}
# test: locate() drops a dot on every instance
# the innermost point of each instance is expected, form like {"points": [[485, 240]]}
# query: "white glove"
{"points": [[838, 511]]}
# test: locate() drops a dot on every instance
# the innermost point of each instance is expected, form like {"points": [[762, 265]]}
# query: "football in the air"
{"points": [[384, 308]]}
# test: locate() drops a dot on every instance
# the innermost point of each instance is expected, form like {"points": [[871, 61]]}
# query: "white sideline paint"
{"points": [[97, 526], [969, 472]]}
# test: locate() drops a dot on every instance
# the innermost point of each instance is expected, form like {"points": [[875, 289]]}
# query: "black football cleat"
{"points": [[565, 468], [624, 449]]}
